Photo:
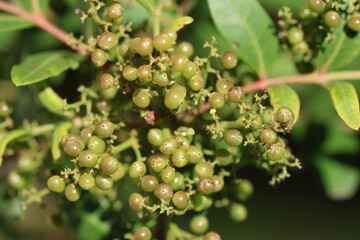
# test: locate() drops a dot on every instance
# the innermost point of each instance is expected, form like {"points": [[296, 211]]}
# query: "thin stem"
{"points": [[43, 23], [156, 18], [125, 145]]}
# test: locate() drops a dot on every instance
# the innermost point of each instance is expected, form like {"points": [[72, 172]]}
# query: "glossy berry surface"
{"points": [[229, 60], [204, 169], [87, 159], [189, 70], [109, 164], [103, 181], [212, 236], [163, 191], [141, 98], [144, 46], [86, 181], [114, 11], [179, 61], [137, 169], [129, 73], [236, 94], [180, 200], [96, 144], [98, 57], [162, 42], [233, 137], [185, 48], [295, 35], [238, 212], [206, 186], [217, 100], [107, 40], [72, 193], [171, 33], [199, 224], [155, 136], [354, 23], [144, 73], [285, 115], [142, 233], [56, 184], [135, 201], [332, 19], [316, 5], [148, 183], [104, 129], [268, 136]]}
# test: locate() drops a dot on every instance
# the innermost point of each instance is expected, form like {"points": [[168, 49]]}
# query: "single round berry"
{"points": [[354, 23], [174, 97], [129, 73], [199, 224], [229, 60], [179, 61], [106, 80], [295, 35], [168, 174], [238, 212], [316, 5], [223, 157], [72, 149], [332, 19], [148, 183], [86, 181], [183, 143], [119, 173], [168, 146], [135, 201], [56, 184], [144, 73], [194, 154], [181, 200], [5, 109], [223, 86], [219, 183], [162, 42], [300, 48], [285, 115], [72, 193], [233, 137], [98, 57], [236, 94], [141, 98], [178, 182], [161, 78], [155, 136], [185, 48], [212, 236], [158, 162], [109, 164], [196, 83], [144, 46], [267, 116], [16, 181], [114, 11], [204, 169], [86, 134], [163, 191], [107, 40], [268, 136], [133, 45], [87, 159], [96, 144], [189, 70], [171, 33], [142, 233], [104, 129], [217, 100], [243, 189], [137, 169], [179, 158], [103, 181], [103, 107], [275, 153], [305, 13], [206, 186], [26, 162]]}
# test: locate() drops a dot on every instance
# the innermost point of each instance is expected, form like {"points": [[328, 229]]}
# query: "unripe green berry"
{"points": [[179, 158], [87, 159], [129, 73], [148, 183], [158, 162], [194, 154], [168, 174], [204, 169], [181, 200], [141, 98], [243, 190], [104, 129], [206, 186], [56, 184], [72, 193], [161, 78], [135, 201], [223, 86], [196, 83], [104, 181], [133, 45], [142, 233], [332, 19], [137, 169], [168, 146], [86, 181], [199, 224], [162, 42], [295, 35], [174, 97], [98, 57], [212, 236], [179, 61], [275, 153], [5, 109], [300, 48], [229, 60], [354, 23], [316, 5], [238, 212], [189, 70], [268, 136], [171, 33], [144, 73], [185, 48], [285, 115], [217, 100], [114, 11], [233, 137], [236, 94], [144, 46], [107, 40], [109, 164], [163, 191], [96, 144], [155, 136], [106, 80]]}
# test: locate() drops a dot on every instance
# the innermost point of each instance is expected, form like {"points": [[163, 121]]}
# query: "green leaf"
{"points": [[284, 96], [148, 4], [27, 4], [340, 181], [339, 141], [10, 22], [180, 22], [41, 66], [246, 24], [135, 13], [339, 52], [346, 103], [92, 227]]}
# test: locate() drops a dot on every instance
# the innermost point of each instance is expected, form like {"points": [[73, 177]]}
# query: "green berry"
{"points": [[196, 83], [275, 153], [103, 181], [148, 183], [103, 107], [183, 143], [236, 94], [144, 46], [219, 183], [158, 162], [98, 57], [268, 136], [87, 159], [206, 186], [179, 61], [295, 35], [204, 169], [114, 11], [332, 19], [223, 157], [168, 174], [5, 109], [194, 154], [300, 48], [161, 78], [185, 48], [199, 224], [107, 40], [135, 201], [137, 169], [141, 98], [168, 146], [162, 42], [285, 115], [86, 181], [129, 73], [163, 191], [171, 33], [56, 184], [96, 144], [86, 134], [217, 100], [26, 162], [180, 200], [104, 129], [316, 5], [243, 189], [155, 136], [133, 45], [16, 181], [72, 193], [267, 116], [212, 236], [189, 70], [223, 86], [238, 212], [72, 149], [354, 23], [144, 73], [233, 137], [142, 233], [229, 60], [109, 164], [178, 182], [174, 97], [106, 80], [179, 158], [119, 173]]}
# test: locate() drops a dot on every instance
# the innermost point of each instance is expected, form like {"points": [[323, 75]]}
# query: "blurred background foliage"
{"points": [[319, 202]]}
